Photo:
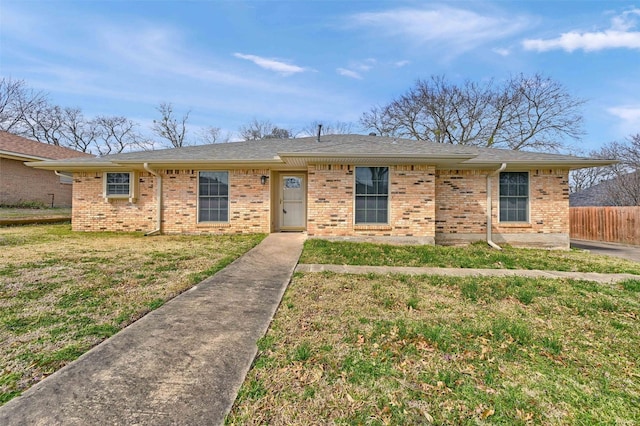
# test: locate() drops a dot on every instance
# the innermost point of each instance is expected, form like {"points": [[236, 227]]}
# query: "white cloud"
{"points": [[628, 119], [626, 20], [349, 73], [628, 114], [271, 64], [618, 36], [400, 64], [458, 30], [501, 51], [365, 65], [356, 68]]}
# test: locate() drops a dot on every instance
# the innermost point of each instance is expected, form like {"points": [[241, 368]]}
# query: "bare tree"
{"points": [[521, 113], [623, 187], [17, 102], [582, 179], [169, 127], [45, 124], [257, 130], [117, 134], [79, 133], [212, 135], [329, 128], [618, 184]]}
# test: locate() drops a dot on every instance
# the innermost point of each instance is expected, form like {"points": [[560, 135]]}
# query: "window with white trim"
{"points": [[118, 184], [514, 197], [213, 197], [372, 195]]}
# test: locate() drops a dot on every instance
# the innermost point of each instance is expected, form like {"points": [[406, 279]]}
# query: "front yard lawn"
{"points": [[62, 293], [29, 213], [374, 349], [477, 255]]}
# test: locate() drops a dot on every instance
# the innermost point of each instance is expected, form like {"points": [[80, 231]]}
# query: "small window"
{"points": [[213, 197], [514, 197], [118, 185], [372, 195], [66, 179]]}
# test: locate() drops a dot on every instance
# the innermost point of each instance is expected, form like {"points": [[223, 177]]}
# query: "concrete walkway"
{"points": [[464, 272], [179, 365], [622, 251]]}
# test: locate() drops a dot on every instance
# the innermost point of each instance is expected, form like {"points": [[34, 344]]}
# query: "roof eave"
{"points": [[21, 157], [199, 164], [303, 159], [76, 166], [556, 164]]}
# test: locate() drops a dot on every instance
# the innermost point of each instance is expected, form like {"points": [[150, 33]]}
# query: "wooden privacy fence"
{"points": [[611, 224]]}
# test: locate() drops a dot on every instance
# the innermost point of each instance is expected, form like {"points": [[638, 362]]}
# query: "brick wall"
{"points": [[461, 209], [461, 201], [248, 204], [91, 212], [330, 202], [548, 200], [448, 206], [19, 183], [249, 207]]}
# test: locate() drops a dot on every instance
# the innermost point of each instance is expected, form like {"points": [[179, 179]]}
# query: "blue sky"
{"points": [[294, 62]]}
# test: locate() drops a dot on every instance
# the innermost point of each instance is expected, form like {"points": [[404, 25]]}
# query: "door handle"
{"points": [[284, 211]]}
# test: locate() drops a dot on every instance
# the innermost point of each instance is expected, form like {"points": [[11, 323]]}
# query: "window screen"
{"points": [[118, 184], [372, 195], [514, 197], [213, 197]]}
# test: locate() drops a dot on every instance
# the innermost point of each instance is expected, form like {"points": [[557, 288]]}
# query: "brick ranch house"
{"points": [[338, 186], [22, 184]]}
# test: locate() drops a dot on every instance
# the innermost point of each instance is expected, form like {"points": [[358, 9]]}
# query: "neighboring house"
{"points": [[346, 186], [21, 184], [623, 190]]}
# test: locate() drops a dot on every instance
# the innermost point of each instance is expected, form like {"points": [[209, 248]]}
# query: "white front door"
{"points": [[293, 197]]}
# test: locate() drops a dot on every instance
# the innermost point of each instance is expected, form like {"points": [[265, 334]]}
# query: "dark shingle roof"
{"points": [[608, 192], [30, 149], [347, 147]]}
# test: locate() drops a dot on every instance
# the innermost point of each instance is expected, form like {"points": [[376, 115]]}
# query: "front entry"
{"points": [[293, 202]]}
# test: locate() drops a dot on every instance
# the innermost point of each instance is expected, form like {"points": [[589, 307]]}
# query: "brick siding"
{"points": [[248, 204], [461, 208], [424, 202], [19, 184], [331, 199], [548, 201]]}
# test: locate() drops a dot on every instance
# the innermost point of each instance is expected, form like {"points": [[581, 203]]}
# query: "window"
{"points": [[372, 195], [514, 197], [65, 179], [213, 197], [117, 185]]}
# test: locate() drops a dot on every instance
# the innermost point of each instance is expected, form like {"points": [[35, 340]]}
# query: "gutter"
{"points": [[158, 229], [57, 173], [490, 206]]}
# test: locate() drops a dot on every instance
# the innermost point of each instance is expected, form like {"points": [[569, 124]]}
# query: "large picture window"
{"points": [[117, 184], [213, 197], [372, 195], [514, 197]]}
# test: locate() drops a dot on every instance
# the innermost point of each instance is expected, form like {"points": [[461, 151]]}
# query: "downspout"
{"points": [[158, 199], [57, 173], [490, 206]]}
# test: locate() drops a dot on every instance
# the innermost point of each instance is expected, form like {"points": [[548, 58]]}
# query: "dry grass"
{"points": [[62, 293], [477, 255], [372, 349], [32, 213]]}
